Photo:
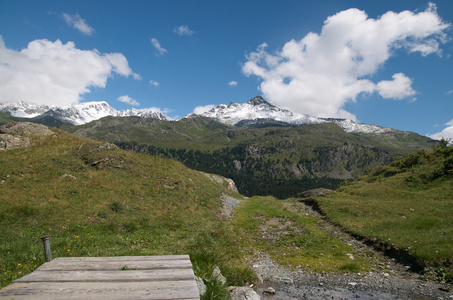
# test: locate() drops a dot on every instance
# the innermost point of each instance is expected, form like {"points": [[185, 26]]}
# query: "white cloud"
{"points": [[450, 92], [156, 44], [398, 88], [233, 83], [320, 73], [183, 30], [154, 83], [54, 73], [447, 133], [78, 23], [202, 109], [128, 100]]}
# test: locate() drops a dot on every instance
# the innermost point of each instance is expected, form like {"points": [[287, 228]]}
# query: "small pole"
{"points": [[45, 240]]}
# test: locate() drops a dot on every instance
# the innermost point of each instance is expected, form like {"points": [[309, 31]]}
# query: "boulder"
{"points": [[25, 129], [9, 142], [243, 293]]}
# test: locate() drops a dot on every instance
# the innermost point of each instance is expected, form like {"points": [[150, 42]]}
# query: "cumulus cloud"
{"points": [[233, 83], [154, 83], [321, 72], [398, 88], [183, 30], [128, 100], [160, 51], [202, 109], [54, 73], [78, 23], [447, 133]]}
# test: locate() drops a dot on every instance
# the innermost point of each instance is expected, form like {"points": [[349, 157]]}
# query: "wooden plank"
{"points": [[124, 258], [93, 276], [92, 265], [102, 290], [146, 277]]}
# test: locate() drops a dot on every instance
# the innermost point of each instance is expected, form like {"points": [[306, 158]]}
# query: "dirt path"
{"points": [[387, 278]]}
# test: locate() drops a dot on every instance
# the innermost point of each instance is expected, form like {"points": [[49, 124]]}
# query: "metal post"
{"points": [[45, 240]]}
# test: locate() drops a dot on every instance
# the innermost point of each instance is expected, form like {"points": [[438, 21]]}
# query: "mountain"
{"points": [[77, 114], [259, 112], [265, 149], [255, 109], [266, 157]]}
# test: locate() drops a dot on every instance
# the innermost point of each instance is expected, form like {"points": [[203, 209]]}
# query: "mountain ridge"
{"points": [[256, 111], [77, 114]]}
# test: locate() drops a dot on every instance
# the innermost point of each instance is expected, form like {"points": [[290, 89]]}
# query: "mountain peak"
{"points": [[258, 100]]}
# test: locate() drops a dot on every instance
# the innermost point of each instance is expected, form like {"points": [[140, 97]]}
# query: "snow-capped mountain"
{"points": [[76, 114], [23, 109], [256, 108], [259, 109]]}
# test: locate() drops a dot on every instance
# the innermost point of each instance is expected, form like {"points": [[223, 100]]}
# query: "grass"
{"points": [[407, 206], [96, 201], [293, 238]]}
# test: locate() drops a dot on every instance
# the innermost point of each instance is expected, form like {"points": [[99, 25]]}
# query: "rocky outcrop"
{"points": [[17, 135], [25, 129]]}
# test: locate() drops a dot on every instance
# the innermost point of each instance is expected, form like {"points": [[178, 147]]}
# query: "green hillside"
{"points": [[94, 199], [406, 208], [6, 118], [263, 160]]}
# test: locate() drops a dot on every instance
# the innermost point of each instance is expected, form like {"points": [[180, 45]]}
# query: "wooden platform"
{"points": [[122, 277]]}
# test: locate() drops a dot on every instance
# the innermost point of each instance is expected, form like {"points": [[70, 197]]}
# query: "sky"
{"points": [[385, 62]]}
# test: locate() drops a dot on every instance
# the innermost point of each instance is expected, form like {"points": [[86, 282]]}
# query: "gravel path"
{"points": [[298, 284], [388, 279]]}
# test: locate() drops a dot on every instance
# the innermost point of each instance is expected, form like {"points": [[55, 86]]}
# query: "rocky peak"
{"points": [[258, 100]]}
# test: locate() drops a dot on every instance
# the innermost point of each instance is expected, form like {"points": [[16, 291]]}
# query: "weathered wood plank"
{"points": [[124, 258], [144, 277], [87, 276], [101, 290], [93, 265]]}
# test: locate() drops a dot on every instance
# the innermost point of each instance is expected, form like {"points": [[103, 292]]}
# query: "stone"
{"points": [[217, 275], [25, 129], [201, 286], [9, 142], [243, 293], [269, 291]]}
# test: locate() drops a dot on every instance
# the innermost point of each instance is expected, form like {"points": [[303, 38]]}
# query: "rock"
{"points": [[269, 291], [217, 275], [222, 181], [25, 129], [105, 146], [9, 142], [201, 286], [15, 135], [243, 293]]}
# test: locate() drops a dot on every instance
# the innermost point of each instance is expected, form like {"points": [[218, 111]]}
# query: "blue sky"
{"points": [[380, 62]]}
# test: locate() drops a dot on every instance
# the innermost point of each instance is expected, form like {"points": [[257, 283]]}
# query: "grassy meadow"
{"points": [[406, 206], [100, 201], [93, 199]]}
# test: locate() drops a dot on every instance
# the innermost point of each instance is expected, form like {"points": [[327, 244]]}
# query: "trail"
{"points": [[387, 279]]}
